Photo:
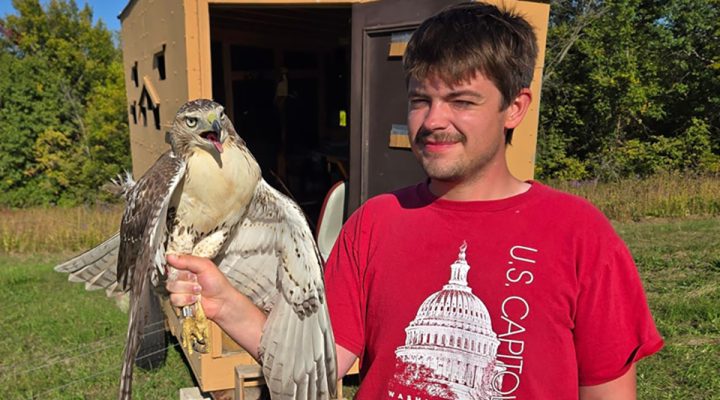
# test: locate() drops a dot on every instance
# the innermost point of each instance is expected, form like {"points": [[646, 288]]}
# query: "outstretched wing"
{"points": [[142, 249], [271, 257], [96, 267]]}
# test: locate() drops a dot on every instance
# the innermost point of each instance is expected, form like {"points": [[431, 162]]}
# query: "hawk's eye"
{"points": [[222, 115], [191, 122]]}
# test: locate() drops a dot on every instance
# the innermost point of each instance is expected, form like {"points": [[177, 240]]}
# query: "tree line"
{"points": [[630, 88]]}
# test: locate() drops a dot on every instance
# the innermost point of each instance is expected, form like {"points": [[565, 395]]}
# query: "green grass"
{"points": [[679, 261], [60, 342]]}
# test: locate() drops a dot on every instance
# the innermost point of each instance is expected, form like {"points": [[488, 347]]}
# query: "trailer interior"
{"points": [[283, 74]]}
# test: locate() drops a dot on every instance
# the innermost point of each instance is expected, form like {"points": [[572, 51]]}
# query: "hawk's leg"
{"points": [[196, 329]]}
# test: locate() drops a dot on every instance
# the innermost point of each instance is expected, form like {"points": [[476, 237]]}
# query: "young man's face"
{"points": [[457, 132]]}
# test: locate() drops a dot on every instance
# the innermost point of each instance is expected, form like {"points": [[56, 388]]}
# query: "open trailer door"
{"points": [[380, 156]]}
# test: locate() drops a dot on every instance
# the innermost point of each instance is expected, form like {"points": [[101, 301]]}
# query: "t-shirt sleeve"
{"points": [[613, 324], [343, 286]]}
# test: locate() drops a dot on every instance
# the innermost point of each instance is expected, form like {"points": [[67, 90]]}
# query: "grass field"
{"points": [[60, 342], [679, 262]]}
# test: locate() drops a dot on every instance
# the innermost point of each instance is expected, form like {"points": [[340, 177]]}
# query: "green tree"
{"points": [[690, 61], [626, 83], [63, 126]]}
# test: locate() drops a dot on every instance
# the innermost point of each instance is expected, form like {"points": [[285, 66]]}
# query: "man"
{"points": [[472, 285]]}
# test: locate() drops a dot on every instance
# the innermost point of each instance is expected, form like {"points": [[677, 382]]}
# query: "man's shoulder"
{"points": [[386, 206], [403, 197], [560, 205]]}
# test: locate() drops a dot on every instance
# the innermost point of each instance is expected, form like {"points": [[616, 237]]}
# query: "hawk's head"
{"points": [[200, 123]]}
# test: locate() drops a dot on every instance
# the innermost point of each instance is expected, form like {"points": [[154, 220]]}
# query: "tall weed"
{"points": [[53, 230], [665, 195]]}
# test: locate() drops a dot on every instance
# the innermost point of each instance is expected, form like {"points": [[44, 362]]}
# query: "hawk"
{"points": [[206, 197]]}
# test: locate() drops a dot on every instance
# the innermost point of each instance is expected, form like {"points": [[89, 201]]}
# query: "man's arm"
{"points": [[622, 388], [230, 309], [345, 360]]}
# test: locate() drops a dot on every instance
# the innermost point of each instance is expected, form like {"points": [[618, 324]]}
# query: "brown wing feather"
{"points": [[142, 241], [145, 202]]}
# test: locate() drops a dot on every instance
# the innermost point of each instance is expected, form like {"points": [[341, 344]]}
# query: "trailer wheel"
{"points": [[153, 347]]}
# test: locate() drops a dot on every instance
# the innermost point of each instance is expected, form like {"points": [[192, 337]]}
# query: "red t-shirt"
{"points": [[521, 298]]}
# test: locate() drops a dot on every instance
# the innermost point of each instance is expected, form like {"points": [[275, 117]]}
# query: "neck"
{"points": [[480, 188]]}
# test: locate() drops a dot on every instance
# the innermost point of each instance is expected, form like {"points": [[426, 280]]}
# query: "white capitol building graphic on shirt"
{"points": [[452, 336]]}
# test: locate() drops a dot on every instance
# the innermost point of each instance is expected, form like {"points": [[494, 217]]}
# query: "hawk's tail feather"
{"points": [[97, 267], [136, 325]]}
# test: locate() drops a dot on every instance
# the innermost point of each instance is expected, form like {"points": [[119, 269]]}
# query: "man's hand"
{"points": [[198, 276]]}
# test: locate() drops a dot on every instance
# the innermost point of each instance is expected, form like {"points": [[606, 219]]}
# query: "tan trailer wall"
{"points": [[521, 154], [147, 26]]}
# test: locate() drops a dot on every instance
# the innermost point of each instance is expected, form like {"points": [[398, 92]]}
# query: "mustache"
{"points": [[426, 136]]}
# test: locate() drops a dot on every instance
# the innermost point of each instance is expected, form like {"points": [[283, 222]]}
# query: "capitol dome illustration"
{"points": [[452, 336]]}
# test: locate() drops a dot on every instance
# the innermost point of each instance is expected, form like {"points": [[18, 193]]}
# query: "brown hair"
{"points": [[468, 38]]}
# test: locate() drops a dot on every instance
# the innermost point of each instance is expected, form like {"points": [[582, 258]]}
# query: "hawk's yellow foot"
{"points": [[195, 329]]}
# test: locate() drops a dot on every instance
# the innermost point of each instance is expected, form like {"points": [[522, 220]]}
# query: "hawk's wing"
{"points": [[271, 257], [142, 249], [96, 267]]}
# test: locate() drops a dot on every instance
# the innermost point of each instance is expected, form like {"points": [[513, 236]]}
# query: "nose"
{"points": [[437, 117]]}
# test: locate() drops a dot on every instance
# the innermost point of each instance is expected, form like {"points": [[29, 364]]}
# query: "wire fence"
{"points": [[17, 371]]}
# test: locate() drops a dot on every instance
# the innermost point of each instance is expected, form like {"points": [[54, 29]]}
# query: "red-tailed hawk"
{"points": [[206, 197]]}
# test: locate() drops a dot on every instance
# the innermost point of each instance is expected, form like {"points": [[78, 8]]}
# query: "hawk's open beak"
{"points": [[214, 136]]}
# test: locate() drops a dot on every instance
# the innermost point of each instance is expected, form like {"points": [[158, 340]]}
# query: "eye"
{"points": [[463, 103], [222, 115], [418, 103], [191, 122]]}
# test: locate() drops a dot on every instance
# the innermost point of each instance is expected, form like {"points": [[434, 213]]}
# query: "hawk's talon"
{"points": [[195, 330]]}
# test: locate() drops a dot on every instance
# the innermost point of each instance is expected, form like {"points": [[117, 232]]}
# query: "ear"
{"points": [[517, 109]]}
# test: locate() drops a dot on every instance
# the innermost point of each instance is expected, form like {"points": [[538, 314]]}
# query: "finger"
{"points": [[189, 263], [183, 287], [182, 300], [184, 276]]}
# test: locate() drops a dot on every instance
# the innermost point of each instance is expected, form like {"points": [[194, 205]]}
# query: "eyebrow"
{"points": [[465, 93], [451, 95]]}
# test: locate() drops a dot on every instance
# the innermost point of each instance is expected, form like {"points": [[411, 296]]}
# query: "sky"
{"points": [[106, 10]]}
